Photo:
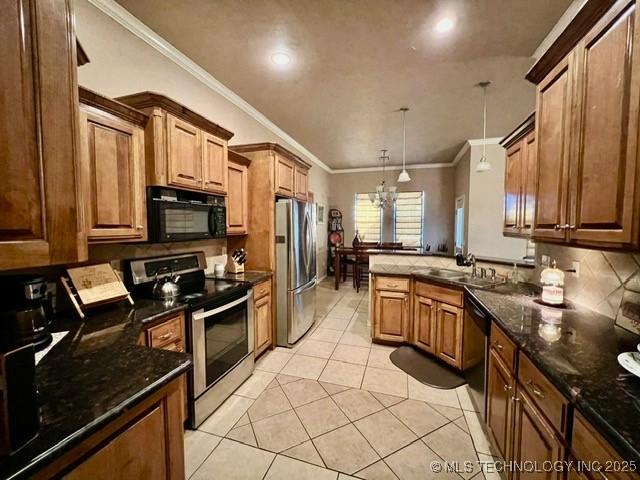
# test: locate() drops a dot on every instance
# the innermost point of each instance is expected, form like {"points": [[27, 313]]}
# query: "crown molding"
{"points": [[122, 16]]}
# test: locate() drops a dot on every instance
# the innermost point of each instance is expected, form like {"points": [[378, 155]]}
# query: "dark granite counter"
{"points": [[250, 276], [91, 376], [579, 358], [426, 253]]}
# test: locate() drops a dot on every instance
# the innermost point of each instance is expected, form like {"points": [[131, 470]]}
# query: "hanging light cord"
{"points": [[484, 123], [404, 139]]}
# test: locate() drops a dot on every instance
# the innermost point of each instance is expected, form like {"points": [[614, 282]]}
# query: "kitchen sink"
{"points": [[459, 277], [478, 282], [442, 273]]}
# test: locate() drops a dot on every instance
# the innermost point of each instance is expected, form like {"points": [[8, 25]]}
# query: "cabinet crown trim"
{"points": [[522, 130], [239, 159], [114, 107], [269, 146], [587, 17], [152, 99]]}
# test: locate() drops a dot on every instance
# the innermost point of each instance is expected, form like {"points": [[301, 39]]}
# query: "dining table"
{"points": [[365, 252]]}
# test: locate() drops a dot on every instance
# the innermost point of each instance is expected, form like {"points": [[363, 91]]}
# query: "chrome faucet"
{"points": [[471, 260]]}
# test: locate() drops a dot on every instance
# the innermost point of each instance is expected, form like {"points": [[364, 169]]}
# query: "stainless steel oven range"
{"points": [[219, 326]]}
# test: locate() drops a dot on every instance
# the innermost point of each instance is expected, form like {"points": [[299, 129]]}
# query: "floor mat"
{"points": [[425, 368]]}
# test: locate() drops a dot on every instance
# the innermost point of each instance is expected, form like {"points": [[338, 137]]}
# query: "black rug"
{"points": [[425, 368]]}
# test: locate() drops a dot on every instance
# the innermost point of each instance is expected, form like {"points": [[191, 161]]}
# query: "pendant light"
{"points": [[404, 175], [484, 165]]}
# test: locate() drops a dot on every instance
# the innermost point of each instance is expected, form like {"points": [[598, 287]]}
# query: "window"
{"points": [[409, 218], [368, 218]]}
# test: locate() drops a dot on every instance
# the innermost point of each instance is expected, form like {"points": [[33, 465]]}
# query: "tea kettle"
{"points": [[166, 288]]}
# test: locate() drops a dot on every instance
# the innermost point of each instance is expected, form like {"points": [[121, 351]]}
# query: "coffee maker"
{"points": [[24, 308]]}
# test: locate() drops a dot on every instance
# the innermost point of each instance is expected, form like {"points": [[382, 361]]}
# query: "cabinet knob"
{"points": [[139, 227], [507, 388], [498, 345], [515, 399], [557, 227], [535, 389]]}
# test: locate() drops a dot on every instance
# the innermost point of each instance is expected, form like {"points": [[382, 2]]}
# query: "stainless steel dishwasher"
{"points": [[476, 376]]}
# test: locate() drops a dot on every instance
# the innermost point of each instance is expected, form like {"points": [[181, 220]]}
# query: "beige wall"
{"points": [[121, 63], [437, 183], [486, 206]]}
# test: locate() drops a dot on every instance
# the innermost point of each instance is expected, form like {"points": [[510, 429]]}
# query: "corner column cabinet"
{"points": [[588, 189], [238, 195], [183, 149], [262, 317], [41, 222], [113, 169], [519, 186]]}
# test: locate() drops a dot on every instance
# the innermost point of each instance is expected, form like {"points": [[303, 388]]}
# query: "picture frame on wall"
{"points": [[320, 214]]}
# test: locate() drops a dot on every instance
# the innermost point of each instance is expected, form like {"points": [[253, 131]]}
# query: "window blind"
{"points": [[409, 218], [368, 218]]}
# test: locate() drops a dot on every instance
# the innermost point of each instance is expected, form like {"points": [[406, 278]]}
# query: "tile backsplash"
{"points": [[608, 282]]}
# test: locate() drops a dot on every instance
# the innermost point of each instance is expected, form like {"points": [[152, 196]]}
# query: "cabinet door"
{"points": [[500, 385], [513, 187], [553, 129], [214, 155], [123, 457], [301, 180], [113, 177], [40, 221], [237, 199], [534, 440], [449, 334], [390, 315], [604, 167], [284, 173], [528, 198], [424, 323], [262, 322], [184, 153]]}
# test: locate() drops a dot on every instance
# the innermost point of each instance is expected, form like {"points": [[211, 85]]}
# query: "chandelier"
{"points": [[384, 196]]}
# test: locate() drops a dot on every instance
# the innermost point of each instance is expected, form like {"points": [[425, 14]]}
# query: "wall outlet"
{"points": [[575, 266], [545, 260]]}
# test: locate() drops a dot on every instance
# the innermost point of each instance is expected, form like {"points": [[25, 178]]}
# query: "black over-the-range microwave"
{"points": [[179, 215]]}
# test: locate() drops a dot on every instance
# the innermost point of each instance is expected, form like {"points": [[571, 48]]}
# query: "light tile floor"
{"points": [[335, 407]]}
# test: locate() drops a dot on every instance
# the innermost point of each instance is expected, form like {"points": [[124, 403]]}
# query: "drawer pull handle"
{"points": [[392, 285], [263, 290], [515, 399], [498, 345], [535, 389], [165, 336], [507, 388]]}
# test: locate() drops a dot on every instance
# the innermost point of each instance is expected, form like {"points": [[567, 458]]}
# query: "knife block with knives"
{"points": [[236, 261]]}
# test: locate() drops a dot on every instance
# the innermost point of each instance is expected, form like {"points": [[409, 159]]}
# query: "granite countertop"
{"points": [[427, 253], [91, 376], [581, 362], [250, 276], [420, 272]]}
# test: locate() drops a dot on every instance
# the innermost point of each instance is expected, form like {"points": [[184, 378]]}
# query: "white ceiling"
{"points": [[356, 61]]}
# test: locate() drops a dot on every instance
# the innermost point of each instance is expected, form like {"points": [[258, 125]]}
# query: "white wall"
{"points": [[486, 207], [121, 63]]}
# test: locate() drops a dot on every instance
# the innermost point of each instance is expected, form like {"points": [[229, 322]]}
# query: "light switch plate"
{"points": [[545, 260], [576, 267]]}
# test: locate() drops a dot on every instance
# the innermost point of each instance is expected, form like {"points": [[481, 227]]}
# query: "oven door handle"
{"points": [[209, 313]]}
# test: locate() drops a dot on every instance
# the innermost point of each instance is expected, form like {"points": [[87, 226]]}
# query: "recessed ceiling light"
{"points": [[444, 25], [280, 58]]}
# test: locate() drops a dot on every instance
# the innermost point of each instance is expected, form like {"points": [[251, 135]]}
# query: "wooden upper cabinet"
{"points": [[113, 169], [183, 149], [605, 166], [519, 179], [214, 157], [513, 187], [284, 176], [301, 182], [238, 195], [184, 153], [553, 128], [449, 334], [424, 323], [40, 222]]}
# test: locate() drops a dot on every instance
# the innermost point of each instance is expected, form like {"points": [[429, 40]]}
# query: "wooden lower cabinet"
{"points": [[424, 323], [500, 390], [534, 439], [391, 312], [449, 334], [262, 317], [144, 442]]}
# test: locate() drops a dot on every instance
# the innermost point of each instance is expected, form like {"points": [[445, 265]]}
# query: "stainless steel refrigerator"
{"points": [[295, 269]]}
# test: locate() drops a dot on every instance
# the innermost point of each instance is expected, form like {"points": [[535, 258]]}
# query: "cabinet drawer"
{"points": [[543, 393], [177, 346], [440, 294], [167, 332], [504, 347], [398, 284], [261, 290]]}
